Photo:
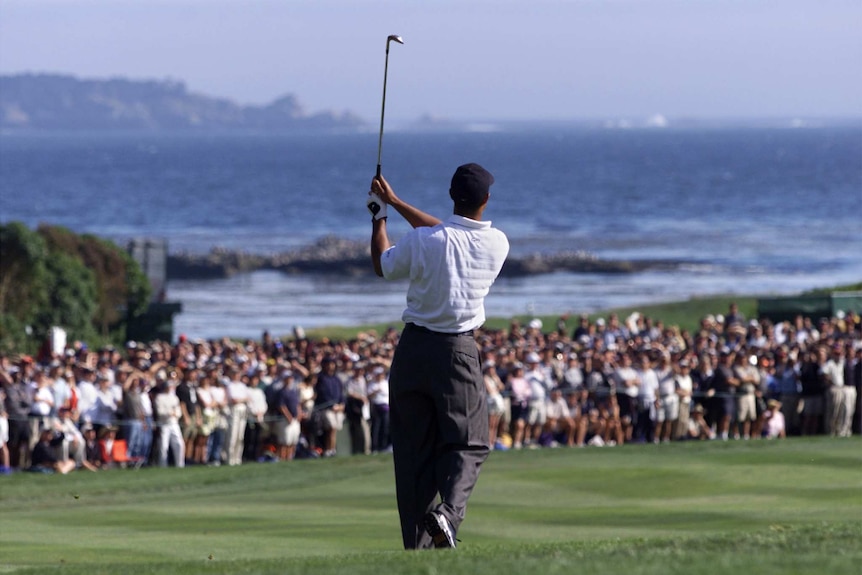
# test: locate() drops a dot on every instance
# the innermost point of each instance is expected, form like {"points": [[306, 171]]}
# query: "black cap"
{"points": [[470, 185]]}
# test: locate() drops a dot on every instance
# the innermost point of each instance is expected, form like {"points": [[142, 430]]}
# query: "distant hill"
{"points": [[30, 102]]}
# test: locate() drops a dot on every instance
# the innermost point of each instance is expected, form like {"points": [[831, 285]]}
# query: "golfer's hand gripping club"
{"points": [[376, 206]]}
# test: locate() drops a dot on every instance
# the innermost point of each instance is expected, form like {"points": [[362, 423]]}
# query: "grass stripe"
{"points": [[791, 506]]}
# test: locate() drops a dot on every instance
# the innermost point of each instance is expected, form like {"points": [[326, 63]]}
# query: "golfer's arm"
{"points": [[379, 244], [414, 216]]}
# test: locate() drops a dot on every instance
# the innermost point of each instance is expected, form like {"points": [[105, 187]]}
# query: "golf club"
{"points": [[383, 107]]}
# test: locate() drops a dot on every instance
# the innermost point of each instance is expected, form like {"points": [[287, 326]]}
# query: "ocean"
{"points": [[765, 210]]}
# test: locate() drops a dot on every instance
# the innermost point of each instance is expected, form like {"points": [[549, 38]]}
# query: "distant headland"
{"points": [[44, 102]]}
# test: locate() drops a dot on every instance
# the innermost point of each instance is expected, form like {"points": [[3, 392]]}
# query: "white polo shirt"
{"points": [[451, 267]]}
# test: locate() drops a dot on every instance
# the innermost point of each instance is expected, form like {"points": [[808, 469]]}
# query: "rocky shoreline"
{"points": [[332, 255]]}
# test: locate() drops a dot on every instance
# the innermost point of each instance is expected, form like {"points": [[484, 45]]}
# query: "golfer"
{"points": [[439, 414]]}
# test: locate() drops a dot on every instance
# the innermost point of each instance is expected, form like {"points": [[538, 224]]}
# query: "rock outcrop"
{"points": [[338, 256]]}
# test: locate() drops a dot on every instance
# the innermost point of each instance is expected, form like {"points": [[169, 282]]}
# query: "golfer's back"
{"points": [[451, 267]]}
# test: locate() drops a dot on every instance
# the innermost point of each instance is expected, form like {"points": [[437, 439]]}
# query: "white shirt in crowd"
{"points": [[834, 370], [648, 386], [574, 377], [237, 391], [168, 407], [666, 383], [684, 383], [86, 397], [378, 391]]}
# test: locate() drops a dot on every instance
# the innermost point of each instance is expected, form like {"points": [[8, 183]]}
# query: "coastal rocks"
{"points": [[579, 262], [218, 263], [338, 256]]}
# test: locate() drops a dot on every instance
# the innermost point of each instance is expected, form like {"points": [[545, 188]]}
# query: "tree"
{"points": [[84, 284], [72, 301], [120, 282], [23, 282]]}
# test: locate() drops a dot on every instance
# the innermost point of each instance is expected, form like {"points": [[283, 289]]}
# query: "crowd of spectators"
{"points": [[599, 383]]}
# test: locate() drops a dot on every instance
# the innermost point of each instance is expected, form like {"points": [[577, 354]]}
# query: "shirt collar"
{"points": [[468, 223]]}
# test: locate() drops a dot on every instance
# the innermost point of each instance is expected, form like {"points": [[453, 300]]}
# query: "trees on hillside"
{"points": [[53, 277]]}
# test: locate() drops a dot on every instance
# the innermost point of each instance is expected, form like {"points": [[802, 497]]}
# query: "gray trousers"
{"points": [[439, 427]]}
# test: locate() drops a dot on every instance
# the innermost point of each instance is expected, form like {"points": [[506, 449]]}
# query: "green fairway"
{"points": [[792, 506]]}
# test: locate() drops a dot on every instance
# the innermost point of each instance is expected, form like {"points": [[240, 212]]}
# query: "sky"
{"points": [[465, 59]]}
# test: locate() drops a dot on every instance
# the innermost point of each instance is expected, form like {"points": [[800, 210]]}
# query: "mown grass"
{"points": [[792, 506]]}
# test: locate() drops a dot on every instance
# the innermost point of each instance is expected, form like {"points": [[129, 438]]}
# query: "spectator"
{"points": [[41, 407], [684, 387], [328, 405], [256, 429], [134, 417], [73, 445], [724, 384], [207, 419], [856, 378], [648, 401], [701, 381], [17, 406], [573, 375], [560, 425], [357, 411], [786, 378], [59, 387], [86, 392], [112, 451], [92, 456], [217, 436], [149, 428], [520, 391], [746, 401], [626, 383], [104, 409], [773, 420], [540, 386], [832, 375], [237, 399], [813, 391], [378, 394], [667, 404], [496, 404], [287, 426], [698, 428], [187, 394], [733, 317], [584, 329], [850, 394], [168, 413], [5, 465], [44, 458]]}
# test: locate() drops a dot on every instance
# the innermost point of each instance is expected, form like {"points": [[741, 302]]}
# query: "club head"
{"points": [[394, 38]]}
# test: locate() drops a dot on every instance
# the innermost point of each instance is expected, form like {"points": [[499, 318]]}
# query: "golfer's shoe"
{"points": [[439, 529]]}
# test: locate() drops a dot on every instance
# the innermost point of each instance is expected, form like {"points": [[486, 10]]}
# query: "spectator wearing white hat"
{"points": [[540, 387], [168, 413]]}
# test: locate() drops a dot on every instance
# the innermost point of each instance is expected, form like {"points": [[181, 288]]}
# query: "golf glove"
{"points": [[376, 206]]}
